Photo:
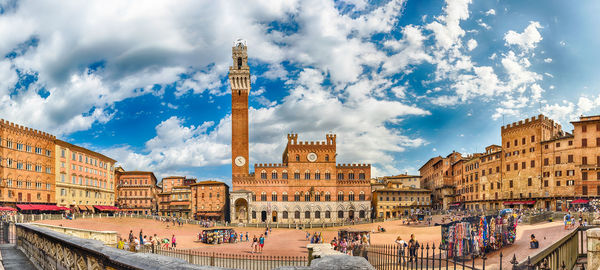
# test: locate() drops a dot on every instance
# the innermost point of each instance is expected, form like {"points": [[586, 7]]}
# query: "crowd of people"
{"points": [[136, 243]]}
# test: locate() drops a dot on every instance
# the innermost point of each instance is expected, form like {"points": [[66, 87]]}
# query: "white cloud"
{"points": [[548, 60], [490, 12], [446, 29], [445, 100], [528, 39], [471, 44]]}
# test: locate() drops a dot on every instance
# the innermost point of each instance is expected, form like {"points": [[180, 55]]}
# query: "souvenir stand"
{"points": [[216, 235], [478, 235]]}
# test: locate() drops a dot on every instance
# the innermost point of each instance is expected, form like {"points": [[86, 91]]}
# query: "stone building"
{"points": [[27, 169], [210, 200], [400, 181], [399, 195], [307, 186], [84, 178], [137, 192], [538, 165], [174, 198], [436, 175]]}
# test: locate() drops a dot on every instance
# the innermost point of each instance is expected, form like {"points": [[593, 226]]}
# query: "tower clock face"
{"points": [[312, 157], [240, 161]]}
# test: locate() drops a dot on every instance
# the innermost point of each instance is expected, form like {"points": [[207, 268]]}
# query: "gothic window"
{"points": [[284, 197], [327, 197], [327, 175], [274, 196], [326, 157], [285, 214], [340, 196], [297, 214], [297, 175], [317, 176], [284, 175], [351, 196], [297, 157], [351, 176], [340, 214], [317, 197], [307, 175], [317, 214], [340, 176], [307, 214], [253, 197], [297, 197], [263, 175], [274, 175], [328, 213], [361, 196], [361, 176], [307, 197], [239, 63]]}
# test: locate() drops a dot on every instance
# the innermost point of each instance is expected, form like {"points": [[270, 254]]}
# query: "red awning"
{"points": [[580, 201], [455, 204], [24, 207], [62, 208], [520, 203], [5, 208]]}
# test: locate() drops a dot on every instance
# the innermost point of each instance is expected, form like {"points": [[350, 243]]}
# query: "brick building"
{"points": [[538, 165], [174, 198], [137, 192], [84, 178], [436, 175], [307, 186], [210, 200], [26, 165]]}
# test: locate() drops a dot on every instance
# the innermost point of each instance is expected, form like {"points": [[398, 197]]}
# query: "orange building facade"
{"points": [[307, 186], [84, 178], [174, 198], [137, 192], [210, 200], [26, 165]]}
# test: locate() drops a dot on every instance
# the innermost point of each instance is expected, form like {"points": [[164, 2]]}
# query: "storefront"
{"points": [[519, 204]]}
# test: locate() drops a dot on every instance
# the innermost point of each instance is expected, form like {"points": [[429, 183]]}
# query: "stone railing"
{"points": [[107, 237], [52, 250]]}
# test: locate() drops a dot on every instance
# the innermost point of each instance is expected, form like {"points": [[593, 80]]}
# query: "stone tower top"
{"points": [[239, 72]]}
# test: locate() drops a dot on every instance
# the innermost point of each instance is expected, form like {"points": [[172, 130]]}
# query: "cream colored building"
{"points": [[84, 178]]}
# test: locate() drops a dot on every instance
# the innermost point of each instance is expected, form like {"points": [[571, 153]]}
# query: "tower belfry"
{"points": [[239, 79]]}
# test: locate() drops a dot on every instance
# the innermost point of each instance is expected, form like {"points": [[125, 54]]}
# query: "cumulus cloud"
{"points": [[548, 60], [490, 12], [526, 40], [471, 44]]}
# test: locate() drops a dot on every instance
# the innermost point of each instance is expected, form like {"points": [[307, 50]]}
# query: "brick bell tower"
{"points": [[239, 78]]}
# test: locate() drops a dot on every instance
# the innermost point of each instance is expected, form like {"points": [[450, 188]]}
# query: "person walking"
{"points": [[246, 236], [173, 242], [401, 244], [141, 237], [413, 245], [130, 238], [254, 244], [261, 242]]}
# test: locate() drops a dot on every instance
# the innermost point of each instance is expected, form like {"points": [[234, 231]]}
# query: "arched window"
{"points": [[317, 214], [317, 196], [274, 175], [327, 175], [361, 214], [328, 214], [297, 197], [351, 176], [297, 157], [361, 175], [274, 196], [307, 214], [307, 196], [317, 175], [297, 214], [307, 175], [340, 176], [254, 196], [326, 157], [327, 196], [239, 63], [361, 196], [263, 174], [285, 214], [284, 175], [284, 196], [296, 175], [340, 214], [340, 196], [351, 196]]}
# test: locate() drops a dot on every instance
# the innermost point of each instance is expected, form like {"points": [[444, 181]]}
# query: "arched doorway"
{"points": [[241, 210], [351, 214], [263, 216], [274, 215]]}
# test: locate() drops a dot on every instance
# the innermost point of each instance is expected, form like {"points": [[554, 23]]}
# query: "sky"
{"points": [[399, 82]]}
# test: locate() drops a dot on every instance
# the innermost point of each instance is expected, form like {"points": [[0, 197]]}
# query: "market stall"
{"points": [[217, 236], [478, 235]]}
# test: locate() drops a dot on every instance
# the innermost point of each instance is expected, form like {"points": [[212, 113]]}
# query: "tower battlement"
{"points": [[528, 122]]}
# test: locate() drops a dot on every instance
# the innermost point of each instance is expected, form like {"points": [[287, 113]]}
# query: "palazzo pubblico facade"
{"points": [[306, 187]]}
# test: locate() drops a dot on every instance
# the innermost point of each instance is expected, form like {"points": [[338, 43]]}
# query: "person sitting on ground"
{"points": [[533, 243]]}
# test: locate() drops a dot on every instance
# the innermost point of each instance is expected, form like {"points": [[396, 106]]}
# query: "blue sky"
{"points": [[398, 81]]}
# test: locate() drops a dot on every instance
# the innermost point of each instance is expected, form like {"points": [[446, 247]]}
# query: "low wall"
{"points": [[52, 250], [106, 237]]}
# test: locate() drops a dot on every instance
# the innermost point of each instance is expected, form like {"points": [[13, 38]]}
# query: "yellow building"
{"points": [[398, 198], [84, 178]]}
